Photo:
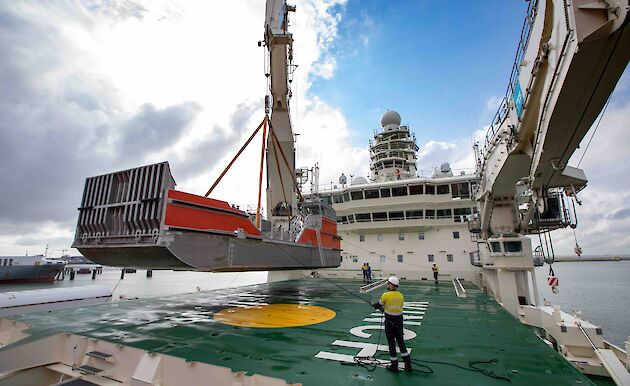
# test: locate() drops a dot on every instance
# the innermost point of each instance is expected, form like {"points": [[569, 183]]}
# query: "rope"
{"points": [[325, 278], [111, 295], [275, 153], [260, 175], [234, 159], [284, 157], [601, 116]]}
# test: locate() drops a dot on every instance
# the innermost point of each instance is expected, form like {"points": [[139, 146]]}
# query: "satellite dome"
{"points": [[358, 181], [445, 167], [342, 179], [390, 117]]}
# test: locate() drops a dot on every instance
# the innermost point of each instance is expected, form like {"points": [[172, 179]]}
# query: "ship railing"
{"points": [[475, 259], [504, 106]]}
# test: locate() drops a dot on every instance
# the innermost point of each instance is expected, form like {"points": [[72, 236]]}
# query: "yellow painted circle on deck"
{"points": [[274, 315]]}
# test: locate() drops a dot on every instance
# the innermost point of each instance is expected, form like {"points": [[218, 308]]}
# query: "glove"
{"points": [[378, 306]]}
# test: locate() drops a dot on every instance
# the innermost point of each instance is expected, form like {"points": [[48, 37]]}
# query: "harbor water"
{"points": [[601, 290]]}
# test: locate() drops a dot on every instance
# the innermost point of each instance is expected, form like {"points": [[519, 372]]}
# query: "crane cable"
{"points": [[601, 116]]}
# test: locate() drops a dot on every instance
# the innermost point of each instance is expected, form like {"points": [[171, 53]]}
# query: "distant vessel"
{"points": [[15, 269]]}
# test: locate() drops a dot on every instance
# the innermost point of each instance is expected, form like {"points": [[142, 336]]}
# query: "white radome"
{"points": [[390, 117]]}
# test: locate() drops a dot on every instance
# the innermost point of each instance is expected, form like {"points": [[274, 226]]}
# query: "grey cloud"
{"points": [[207, 152], [117, 9], [620, 214], [30, 240], [58, 123], [152, 129]]}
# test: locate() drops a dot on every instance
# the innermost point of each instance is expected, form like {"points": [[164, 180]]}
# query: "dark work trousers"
{"points": [[365, 276], [394, 334], [435, 275]]}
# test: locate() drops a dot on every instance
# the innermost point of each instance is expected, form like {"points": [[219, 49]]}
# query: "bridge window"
{"points": [[513, 246], [401, 236], [10, 261], [429, 213], [414, 214], [455, 235], [449, 258], [342, 219], [396, 215], [495, 246], [421, 236], [416, 189], [4, 262], [355, 258], [444, 213], [385, 192], [362, 217], [361, 238], [357, 195], [443, 189], [379, 216], [399, 191], [431, 258], [346, 197], [460, 190], [351, 219], [371, 193], [337, 198], [327, 200], [430, 189], [400, 258], [462, 214]]}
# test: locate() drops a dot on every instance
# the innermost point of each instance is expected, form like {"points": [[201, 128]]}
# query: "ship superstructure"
{"points": [[401, 223]]}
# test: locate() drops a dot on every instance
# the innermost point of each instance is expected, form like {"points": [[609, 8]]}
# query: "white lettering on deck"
{"points": [[413, 312]]}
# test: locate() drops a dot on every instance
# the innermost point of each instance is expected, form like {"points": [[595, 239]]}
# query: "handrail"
{"points": [[501, 113], [372, 286], [459, 288]]}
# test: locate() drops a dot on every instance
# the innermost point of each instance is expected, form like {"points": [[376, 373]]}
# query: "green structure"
{"points": [[454, 340]]}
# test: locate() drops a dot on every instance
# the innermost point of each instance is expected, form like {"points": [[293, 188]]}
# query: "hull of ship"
{"points": [[200, 251], [134, 218], [28, 274]]}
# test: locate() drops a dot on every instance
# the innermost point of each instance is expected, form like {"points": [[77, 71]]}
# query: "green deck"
{"points": [[454, 330]]}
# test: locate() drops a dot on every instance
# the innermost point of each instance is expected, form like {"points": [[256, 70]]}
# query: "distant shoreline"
{"points": [[579, 259]]}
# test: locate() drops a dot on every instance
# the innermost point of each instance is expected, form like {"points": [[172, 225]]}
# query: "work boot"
{"points": [[393, 367], [407, 361]]}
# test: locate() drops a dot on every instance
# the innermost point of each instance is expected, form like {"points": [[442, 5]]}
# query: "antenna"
{"points": [[315, 180]]}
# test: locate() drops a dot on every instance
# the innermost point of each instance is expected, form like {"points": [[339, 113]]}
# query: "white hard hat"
{"points": [[394, 280]]}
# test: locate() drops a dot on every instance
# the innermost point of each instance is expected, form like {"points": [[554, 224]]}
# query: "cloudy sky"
{"points": [[93, 86]]}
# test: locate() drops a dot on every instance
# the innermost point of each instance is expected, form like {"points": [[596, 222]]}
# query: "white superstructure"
{"points": [[401, 223]]}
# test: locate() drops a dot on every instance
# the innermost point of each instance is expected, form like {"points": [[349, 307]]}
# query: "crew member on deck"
{"points": [[369, 272], [365, 268], [435, 272], [391, 304]]}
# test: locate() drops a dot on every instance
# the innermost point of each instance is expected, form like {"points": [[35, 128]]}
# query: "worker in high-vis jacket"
{"points": [[435, 272], [391, 304]]}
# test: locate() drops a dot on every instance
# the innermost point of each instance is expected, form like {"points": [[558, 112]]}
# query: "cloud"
{"points": [[151, 129], [95, 86]]}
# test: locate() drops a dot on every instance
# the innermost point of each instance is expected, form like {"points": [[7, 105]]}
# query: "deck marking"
{"points": [[367, 350], [359, 331], [412, 313], [274, 315]]}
